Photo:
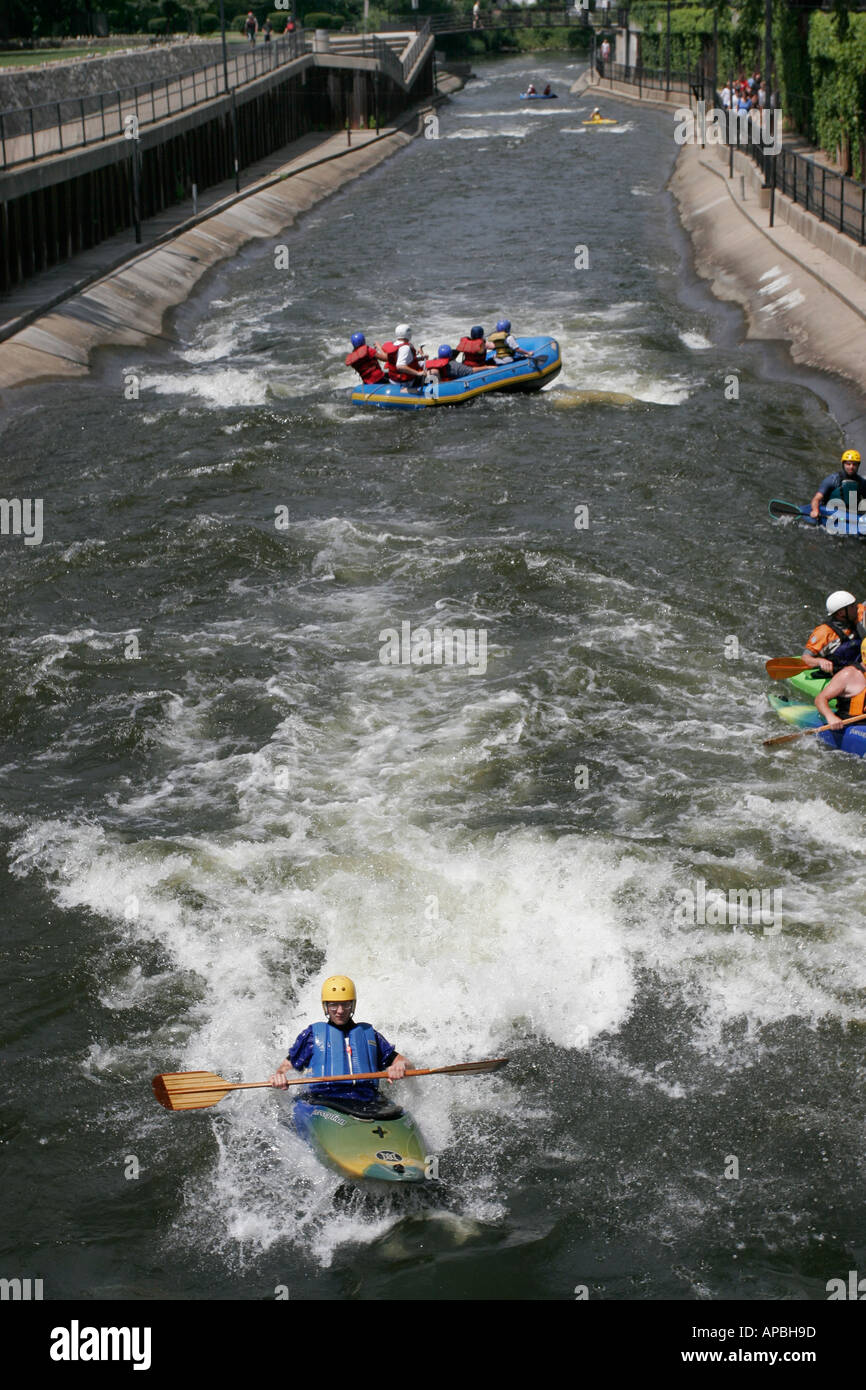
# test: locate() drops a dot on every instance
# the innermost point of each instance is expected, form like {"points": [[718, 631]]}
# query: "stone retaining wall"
{"points": [[24, 87]]}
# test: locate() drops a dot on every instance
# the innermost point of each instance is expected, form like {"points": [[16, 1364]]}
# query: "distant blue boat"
{"points": [[538, 96], [836, 519], [523, 374]]}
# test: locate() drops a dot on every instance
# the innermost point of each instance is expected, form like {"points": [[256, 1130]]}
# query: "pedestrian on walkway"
{"points": [[251, 25]]}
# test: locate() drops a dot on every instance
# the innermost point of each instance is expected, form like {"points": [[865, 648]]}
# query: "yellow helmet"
{"points": [[850, 456], [338, 989]]}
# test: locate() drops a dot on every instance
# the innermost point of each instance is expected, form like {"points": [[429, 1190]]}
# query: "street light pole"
{"points": [[230, 93], [668, 55]]}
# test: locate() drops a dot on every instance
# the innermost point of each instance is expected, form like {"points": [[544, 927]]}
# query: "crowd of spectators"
{"points": [[745, 93]]}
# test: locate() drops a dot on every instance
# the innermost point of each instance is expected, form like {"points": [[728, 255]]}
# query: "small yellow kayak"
{"points": [[601, 120]]}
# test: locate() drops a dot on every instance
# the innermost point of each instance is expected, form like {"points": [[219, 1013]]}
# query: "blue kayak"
{"points": [[521, 374], [538, 96], [836, 519], [801, 716]]}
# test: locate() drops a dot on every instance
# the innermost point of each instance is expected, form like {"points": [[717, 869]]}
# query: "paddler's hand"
{"points": [[279, 1080], [825, 666], [814, 513], [833, 721], [397, 1069]]}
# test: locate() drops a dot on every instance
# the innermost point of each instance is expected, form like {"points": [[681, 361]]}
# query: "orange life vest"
{"points": [[474, 351], [848, 708], [366, 364], [837, 642], [391, 350]]}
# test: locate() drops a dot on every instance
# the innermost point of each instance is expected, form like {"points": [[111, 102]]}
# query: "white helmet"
{"points": [[840, 599], [403, 330]]}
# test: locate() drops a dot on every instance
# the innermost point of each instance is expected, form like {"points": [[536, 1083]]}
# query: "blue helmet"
{"points": [[476, 332], [358, 340], [503, 326], [445, 351]]}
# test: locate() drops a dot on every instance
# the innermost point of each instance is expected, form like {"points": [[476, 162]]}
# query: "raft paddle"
{"points": [[778, 668], [802, 733], [195, 1090]]}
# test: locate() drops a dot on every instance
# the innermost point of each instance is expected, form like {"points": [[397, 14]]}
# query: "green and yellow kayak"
{"points": [[363, 1140]]}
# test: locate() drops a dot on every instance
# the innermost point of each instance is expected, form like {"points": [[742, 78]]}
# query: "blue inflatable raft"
{"points": [[538, 96], [523, 374]]}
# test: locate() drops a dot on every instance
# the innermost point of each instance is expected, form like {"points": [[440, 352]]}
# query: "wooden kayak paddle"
{"points": [[803, 733], [778, 668], [195, 1090]]}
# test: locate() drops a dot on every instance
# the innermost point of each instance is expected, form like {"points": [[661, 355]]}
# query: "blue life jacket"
{"points": [[336, 1052], [842, 485]]}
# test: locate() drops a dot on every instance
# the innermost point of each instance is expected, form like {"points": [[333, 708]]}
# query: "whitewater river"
{"points": [[215, 793]]}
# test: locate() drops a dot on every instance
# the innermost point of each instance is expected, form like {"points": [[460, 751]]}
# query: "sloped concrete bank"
{"points": [[800, 281], [128, 304]]}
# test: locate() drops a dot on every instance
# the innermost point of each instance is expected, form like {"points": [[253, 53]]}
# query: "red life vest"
{"points": [[442, 365], [366, 364], [391, 350], [474, 351]]}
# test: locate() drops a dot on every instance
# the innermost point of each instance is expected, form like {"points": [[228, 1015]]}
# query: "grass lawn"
{"points": [[31, 56]]}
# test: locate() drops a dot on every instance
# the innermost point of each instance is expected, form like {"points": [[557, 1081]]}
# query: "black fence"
{"points": [[33, 132], [832, 197]]}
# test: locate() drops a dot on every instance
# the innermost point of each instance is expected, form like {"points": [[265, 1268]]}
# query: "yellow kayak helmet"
{"points": [[850, 456], [338, 989]]}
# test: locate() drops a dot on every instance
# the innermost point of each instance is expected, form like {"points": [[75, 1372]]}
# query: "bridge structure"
{"points": [[75, 172]]}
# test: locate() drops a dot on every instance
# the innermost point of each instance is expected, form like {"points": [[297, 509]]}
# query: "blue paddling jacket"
{"points": [[323, 1049]]}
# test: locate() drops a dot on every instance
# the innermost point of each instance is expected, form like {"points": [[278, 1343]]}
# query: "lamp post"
{"points": [[230, 92], [668, 54]]}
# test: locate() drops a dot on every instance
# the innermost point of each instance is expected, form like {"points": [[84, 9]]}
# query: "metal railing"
{"points": [[690, 82], [831, 197], [29, 133], [35, 132], [551, 17]]}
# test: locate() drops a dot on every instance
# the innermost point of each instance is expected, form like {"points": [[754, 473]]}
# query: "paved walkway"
{"points": [[51, 287], [799, 280]]}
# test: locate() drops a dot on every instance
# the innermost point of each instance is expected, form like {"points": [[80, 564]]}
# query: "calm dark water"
{"points": [[215, 793]]}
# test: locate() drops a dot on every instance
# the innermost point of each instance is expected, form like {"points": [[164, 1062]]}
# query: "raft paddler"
{"points": [[846, 481], [339, 1046], [403, 364], [848, 689], [474, 349], [835, 643], [504, 343], [366, 359]]}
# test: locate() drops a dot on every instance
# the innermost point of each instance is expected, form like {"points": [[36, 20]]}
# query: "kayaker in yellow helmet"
{"points": [[340, 1046], [847, 479]]}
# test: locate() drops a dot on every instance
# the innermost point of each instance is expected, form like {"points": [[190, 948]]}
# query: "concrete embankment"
{"points": [[800, 280], [128, 304]]}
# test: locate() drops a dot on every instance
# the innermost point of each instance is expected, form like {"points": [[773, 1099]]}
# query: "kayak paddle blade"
{"points": [[189, 1090]]}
